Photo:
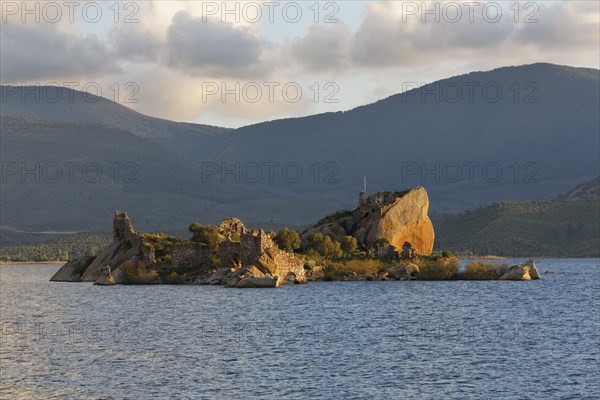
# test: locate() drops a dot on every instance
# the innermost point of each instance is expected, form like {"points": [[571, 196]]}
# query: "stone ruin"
{"points": [[123, 230], [258, 249], [190, 255], [247, 258]]}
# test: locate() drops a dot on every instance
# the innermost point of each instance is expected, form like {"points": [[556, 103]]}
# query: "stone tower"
{"points": [[362, 196]]}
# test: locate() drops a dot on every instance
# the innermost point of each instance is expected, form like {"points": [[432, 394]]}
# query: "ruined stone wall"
{"points": [[246, 250], [252, 246], [124, 230], [187, 255], [230, 226], [288, 262]]}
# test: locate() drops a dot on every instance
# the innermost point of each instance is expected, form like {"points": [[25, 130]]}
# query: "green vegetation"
{"points": [[348, 244], [208, 236], [163, 246], [288, 239], [324, 246], [63, 248], [518, 229]]}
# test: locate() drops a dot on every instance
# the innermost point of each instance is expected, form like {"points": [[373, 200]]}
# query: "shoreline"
{"points": [[31, 262]]}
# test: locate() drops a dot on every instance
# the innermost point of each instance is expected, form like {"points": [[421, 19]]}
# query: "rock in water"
{"points": [[533, 271], [105, 278], [522, 272]]}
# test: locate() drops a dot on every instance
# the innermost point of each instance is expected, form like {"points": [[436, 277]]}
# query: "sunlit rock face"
{"points": [[395, 217]]}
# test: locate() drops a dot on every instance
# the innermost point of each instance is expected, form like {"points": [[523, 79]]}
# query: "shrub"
{"points": [[162, 245], [476, 271], [288, 239], [208, 236], [361, 267], [348, 244], [137, 274], [483, 271], [447, 254], [440, 268]]}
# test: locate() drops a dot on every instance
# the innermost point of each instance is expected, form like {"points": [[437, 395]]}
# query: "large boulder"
{"points": [[266, 262], [393, 217], [403, 271], [398, 219], [533, 271], [218, 277], [72, 271]]}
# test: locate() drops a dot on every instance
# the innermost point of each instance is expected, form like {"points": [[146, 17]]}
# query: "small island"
{"points": [[389, 236]]}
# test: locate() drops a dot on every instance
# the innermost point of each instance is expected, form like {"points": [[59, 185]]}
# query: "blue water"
{"points": [[371, 340]]}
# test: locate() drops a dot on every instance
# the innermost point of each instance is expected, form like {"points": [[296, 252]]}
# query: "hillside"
{"points": [[537, 149], [562, 228], [540, 149], [55, 103], [159, 187]]}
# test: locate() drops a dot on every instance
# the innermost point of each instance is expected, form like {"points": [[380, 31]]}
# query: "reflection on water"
{"points": [[535, 339]]}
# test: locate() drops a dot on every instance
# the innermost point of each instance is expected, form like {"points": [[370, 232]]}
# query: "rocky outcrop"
{"points": [[72, 271], [393, 217], [522, 272], [127, 245]]}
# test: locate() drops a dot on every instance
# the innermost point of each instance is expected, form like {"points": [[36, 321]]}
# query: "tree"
{"points": [[288, 239], [206, 235], [348, 244], [324, 245]]}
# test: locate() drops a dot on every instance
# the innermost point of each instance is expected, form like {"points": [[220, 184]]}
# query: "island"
{"points": [[388, 236]]}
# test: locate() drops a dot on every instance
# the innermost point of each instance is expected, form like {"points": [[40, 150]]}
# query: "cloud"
{"points": [[136, 44], [563, 25], [212, 48], [45, 51], [390, 37], [323, 48]]}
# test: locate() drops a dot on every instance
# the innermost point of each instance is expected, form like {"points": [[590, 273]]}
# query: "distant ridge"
{"points": [[540, 149]]}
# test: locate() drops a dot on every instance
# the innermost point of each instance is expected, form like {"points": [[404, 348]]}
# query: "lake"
{"points": [[347, 340]]}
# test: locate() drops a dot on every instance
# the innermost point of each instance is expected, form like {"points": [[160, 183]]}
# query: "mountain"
{"points": [[55, 103], [69, 176], [537, 139], [538, 145]]}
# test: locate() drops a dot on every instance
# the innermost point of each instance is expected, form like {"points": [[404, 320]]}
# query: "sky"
{"points": [[236, 63]]}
